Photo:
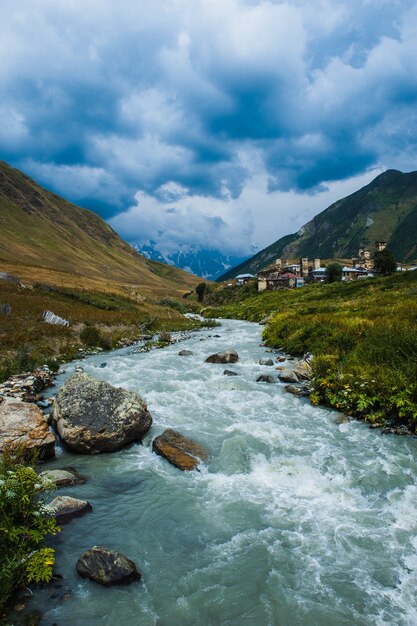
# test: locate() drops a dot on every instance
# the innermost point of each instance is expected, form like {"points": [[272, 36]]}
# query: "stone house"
{"points": [[273, 278], [286, 275], [317, 275], [364, 259]]}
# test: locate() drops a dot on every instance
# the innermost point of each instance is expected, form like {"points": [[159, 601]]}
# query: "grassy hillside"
{"points": [[386, 210], [44, 237], [97, 279], [363, 336], [27, 342]]}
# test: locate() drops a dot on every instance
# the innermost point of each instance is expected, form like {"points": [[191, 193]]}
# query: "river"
{"points": [[294, 521]]}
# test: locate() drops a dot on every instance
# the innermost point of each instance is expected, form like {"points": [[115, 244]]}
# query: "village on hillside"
{"points": [[283, 274]]}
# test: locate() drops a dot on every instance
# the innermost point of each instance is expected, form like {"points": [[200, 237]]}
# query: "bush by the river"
{"points": [[92, 337], [363, 336], [24, 524]]}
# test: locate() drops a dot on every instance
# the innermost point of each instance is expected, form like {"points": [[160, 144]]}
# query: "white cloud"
{"points": [[229, 109], [255, 218]]}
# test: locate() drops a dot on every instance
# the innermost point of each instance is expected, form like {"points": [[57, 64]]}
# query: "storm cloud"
{"points": [[187, 121]]}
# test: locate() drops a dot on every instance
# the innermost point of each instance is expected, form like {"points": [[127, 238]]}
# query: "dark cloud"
{"points": [[199, 99]]}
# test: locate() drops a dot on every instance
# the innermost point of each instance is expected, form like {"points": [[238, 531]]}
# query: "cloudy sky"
{"points": [[221, 123]]}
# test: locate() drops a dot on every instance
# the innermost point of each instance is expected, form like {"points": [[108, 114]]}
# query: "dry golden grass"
{"points": [[45, 238], [117, 317]]}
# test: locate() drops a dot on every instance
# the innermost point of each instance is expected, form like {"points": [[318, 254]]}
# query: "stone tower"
{"points": [[316, 264], [304, 267], [364, 259]]}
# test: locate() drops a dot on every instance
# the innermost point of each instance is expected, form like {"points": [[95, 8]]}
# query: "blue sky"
{"points": [[221, 123]]}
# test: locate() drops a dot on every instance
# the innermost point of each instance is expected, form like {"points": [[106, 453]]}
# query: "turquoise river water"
{"points": [[294, 520]]}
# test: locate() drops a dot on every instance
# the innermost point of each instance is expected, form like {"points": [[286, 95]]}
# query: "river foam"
{"points": [[294, 521]]}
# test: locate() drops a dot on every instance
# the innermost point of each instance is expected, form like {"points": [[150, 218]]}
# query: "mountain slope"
{"points": [[48, 238], [386, 210]]}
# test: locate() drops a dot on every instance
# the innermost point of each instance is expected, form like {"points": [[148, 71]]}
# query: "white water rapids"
{"points": [[294, 521]]}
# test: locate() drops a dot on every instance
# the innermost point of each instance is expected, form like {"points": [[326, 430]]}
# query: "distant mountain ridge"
{"points": [[44, 235], [206, 263], [385, 209]]}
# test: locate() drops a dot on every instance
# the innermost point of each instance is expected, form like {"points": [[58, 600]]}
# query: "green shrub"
{"points": [[334, 273], [201, 290], [24, 524], [210, 324], [92, 337], [174, 304], [23, 360], [385, 262]]}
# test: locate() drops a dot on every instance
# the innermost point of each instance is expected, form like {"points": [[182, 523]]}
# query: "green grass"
{"points": [[363, 336]]}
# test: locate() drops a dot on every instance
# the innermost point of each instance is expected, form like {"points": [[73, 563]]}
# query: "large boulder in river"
{"points": [[107, 567], [23, 426], [228, 356], [91, 416], [65, 508], [178, 450]]}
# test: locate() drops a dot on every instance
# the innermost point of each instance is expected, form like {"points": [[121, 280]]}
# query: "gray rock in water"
{"points": [[297, 390], [266, 362], [65, 508], [44, 404], [303, 370], [91, 416], [228, 356], [266, 378], [185, 353], [342, 419], [288, 376], [103, 365], [22, 425], [107, 567], [63, 477], [179, 450], [230, 373]]}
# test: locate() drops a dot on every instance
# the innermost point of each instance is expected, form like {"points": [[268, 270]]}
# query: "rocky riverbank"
{"points": [[28, 387]]}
